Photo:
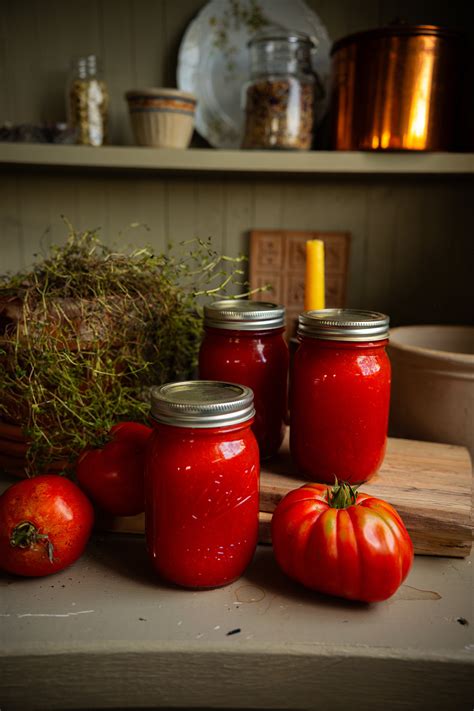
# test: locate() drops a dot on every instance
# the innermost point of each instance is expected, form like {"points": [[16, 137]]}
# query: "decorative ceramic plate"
{"points": [[213, 62]]}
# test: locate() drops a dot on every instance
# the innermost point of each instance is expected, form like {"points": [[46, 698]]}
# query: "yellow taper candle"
{"points": [[314, 282]]}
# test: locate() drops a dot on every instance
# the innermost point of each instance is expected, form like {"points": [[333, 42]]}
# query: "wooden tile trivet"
{"points": [[278, 258]]}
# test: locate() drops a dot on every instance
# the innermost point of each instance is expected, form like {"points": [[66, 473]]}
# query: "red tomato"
{"points": [[45, 523], [352, 545], [113, 476]]}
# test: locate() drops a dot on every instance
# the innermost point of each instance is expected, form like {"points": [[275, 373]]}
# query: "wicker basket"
{"points": [[86, 321], [13, 449]]}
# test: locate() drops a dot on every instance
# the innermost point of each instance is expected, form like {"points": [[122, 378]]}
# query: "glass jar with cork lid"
{"points": [[87, 102], [279, 99]]}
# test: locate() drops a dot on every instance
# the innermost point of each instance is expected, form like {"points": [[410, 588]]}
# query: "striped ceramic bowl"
{"points": [[163, 118]]}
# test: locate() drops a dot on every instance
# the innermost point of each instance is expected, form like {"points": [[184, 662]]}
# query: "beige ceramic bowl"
{"points": [[433, 383], [162, 118]]}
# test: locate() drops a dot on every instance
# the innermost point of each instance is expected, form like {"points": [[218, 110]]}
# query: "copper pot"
{"points": [[396, 88]]}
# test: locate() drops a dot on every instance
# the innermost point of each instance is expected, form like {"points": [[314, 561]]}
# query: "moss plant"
{"points": [[88, 330]]}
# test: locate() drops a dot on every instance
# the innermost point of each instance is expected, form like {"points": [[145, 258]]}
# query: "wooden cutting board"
{"points": [[429, 484]]}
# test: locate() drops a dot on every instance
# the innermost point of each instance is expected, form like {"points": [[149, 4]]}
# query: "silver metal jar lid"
{"points": [[244, 315], [344, 325], [202, 403]]}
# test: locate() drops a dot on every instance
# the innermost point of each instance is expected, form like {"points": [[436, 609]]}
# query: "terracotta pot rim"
{"points": [[466, 359]]}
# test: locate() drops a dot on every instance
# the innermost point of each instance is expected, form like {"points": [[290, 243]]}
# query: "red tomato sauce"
{"points": [[259, 360], [340, 395], [201, 491]]}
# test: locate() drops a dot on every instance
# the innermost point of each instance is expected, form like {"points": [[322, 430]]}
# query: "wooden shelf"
{"points": [[202, 160]]}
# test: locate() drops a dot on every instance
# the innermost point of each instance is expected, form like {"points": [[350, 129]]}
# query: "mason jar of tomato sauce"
{"points": [[201, 483], [244, 343], [340, 394]]}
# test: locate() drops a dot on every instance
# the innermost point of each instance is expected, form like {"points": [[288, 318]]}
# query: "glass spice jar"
{"points": [[201, 483], [340, 395], [244, 343], [279, 101], [87, 102]]}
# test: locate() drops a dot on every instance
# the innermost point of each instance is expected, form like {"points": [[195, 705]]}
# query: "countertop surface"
{"points": [[110, 634]]}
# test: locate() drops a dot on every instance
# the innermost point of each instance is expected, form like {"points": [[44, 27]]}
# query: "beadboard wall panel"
{"points": [[410, 245], [138, 42], [411, 237]]}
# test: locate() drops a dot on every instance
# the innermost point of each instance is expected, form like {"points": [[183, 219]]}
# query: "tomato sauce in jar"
{"points": [[244, 343], [340, 395], [202, 483]]}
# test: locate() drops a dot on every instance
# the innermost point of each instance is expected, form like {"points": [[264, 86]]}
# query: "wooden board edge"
{"points": [[443, 544], [436, 545]]}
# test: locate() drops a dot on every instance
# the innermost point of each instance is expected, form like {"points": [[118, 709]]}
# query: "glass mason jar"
{"points": [[87, 102], [244, 343], [340, 395], [279, 99], [201, 483]]}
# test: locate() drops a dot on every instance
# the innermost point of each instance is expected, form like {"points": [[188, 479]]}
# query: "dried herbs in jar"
{"points": [[279, 101], [88, 102]]}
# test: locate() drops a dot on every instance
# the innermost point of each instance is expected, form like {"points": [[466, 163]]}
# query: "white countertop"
{"points": [[106, 633]]}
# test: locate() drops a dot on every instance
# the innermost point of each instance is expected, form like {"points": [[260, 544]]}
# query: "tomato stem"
{"points": [[342, 495], [26, 535]]}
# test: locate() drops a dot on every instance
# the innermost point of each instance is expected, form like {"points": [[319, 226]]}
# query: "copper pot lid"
{"points": [[398, 29]]}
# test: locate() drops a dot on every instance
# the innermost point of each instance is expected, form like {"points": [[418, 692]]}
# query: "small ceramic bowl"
{"points": [[433, 383], [162, 118]]}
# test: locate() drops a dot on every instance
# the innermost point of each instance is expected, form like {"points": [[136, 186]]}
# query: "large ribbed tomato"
{"points": [[341, 542]]}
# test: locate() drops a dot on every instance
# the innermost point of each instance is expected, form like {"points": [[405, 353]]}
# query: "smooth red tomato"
{"points": [[340, 542], [113, 476], [45, 523]]}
